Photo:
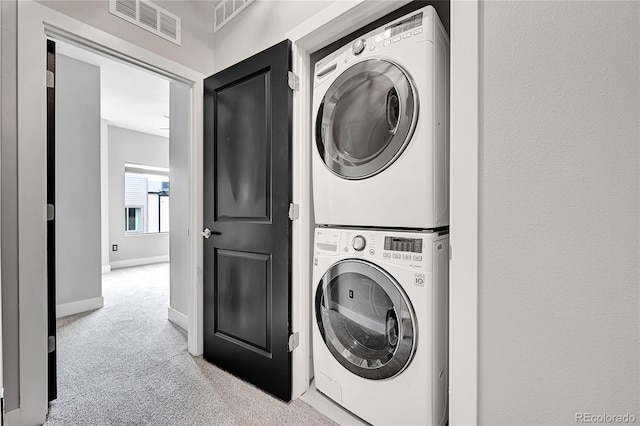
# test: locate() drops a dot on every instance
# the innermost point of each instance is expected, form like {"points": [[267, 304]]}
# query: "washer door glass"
{"points": [[365, 319], [366, 119]]}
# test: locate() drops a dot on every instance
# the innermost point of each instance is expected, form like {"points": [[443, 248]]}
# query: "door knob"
{"points": [[207, 233]]}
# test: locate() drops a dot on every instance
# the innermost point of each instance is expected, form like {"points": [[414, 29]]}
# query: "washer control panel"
{"points": [[405, 249]]}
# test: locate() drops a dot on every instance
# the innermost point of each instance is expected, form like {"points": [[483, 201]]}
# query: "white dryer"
{"points": [[380, 106], [380, 308]]}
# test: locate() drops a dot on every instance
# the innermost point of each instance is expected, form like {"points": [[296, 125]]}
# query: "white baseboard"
{"points": [[106, 269], [12, 418], [71, 308], [138, 262], [178, 318]]}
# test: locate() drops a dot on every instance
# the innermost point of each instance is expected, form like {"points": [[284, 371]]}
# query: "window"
{"points": [[146, 199], [133, 219]]}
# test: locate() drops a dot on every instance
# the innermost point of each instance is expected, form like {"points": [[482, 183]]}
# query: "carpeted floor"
{"points": [[126, 364]]}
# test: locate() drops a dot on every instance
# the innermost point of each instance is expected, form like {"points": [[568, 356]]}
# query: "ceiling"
{"points": [[130, 97]]}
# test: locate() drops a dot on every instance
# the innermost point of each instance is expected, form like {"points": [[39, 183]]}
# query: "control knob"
{"points": [[359, 243], [358, 46]]}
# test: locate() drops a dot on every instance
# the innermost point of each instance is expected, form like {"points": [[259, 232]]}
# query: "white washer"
{"points": [[380, 309], [380, 105]]}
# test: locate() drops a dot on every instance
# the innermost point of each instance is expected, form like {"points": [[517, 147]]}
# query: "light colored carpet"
{"points": [[126, 364]]}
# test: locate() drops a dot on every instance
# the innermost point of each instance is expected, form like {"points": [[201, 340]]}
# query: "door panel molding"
{"points": [[245, 277]]}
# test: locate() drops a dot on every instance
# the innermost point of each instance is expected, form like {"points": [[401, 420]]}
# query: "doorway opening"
{"points": [[122, 240]]}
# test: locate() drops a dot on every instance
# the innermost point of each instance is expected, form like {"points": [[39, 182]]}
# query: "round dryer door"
{"points": [[366, 119], [365, 319]]}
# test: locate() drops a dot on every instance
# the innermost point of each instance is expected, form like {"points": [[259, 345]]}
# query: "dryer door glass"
{"points": [[365, 319], [366, 119]]}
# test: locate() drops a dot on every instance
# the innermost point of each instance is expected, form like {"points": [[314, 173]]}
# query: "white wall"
{"points": [[259, 26], [9, 211], [77, 206], [180, 243], [559, 207], [131, 146], [196, 50]]}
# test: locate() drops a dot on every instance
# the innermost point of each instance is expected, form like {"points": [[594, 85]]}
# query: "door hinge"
{"points": [[51, 344], [51, 212], [294, 211], [294, 81], [50, 79], [294, 339]]}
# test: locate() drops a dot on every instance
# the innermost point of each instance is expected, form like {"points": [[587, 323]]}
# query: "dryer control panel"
{"points": [[398, 34]]}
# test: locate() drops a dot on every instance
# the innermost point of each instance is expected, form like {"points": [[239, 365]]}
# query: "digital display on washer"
{"points": [[404, 25], [403, 244]]}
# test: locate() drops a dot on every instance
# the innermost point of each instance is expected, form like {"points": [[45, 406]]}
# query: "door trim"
{"points": [[327, 26], [33, 21]]}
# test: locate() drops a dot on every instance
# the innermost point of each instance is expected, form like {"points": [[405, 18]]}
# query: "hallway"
{"points": [[126, 364]]}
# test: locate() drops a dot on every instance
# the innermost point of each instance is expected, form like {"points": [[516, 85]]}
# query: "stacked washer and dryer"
{"points": [[380, 190]]}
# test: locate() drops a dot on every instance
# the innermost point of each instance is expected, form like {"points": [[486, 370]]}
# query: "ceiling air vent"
{"points": [[226, 10], [150, 17]]}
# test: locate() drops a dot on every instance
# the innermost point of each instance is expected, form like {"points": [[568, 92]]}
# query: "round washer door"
{"points": [[365, 319], [366, 119]]}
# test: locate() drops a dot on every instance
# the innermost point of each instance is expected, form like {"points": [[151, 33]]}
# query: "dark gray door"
{"points": [[51, 225], [247, 190]]}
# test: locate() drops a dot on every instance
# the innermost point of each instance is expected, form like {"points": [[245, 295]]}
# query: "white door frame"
{"points": [[327, 26], [35, 21], [464, 211]]}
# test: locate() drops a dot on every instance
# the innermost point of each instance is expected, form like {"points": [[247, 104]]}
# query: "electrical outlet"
{"points": [[114, 247]]}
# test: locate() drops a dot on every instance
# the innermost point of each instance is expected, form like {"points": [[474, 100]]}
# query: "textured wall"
{"points": [[78, 226], [559, 209]]}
